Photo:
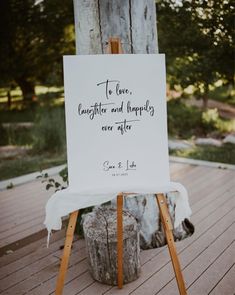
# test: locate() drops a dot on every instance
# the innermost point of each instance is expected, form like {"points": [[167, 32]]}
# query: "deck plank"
{"points": [[42, 271], [31, 249], [216, 269], [206, 257], [226, 285], [198, 258], [24, 261]]}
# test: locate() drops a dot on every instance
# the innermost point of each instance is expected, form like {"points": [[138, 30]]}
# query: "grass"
{"points": [[223, 154], [46, 138], [12, 116], [15, 136], [16, 167], [47, 132]]}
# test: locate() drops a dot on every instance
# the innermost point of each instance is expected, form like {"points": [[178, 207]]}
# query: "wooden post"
{"points": [[67, 249], [166, 220], [115, 47], [120, 240]]}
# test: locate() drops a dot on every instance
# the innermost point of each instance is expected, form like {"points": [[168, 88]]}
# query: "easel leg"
{"points": [[166, 220], [120, 241], [66, 253]]}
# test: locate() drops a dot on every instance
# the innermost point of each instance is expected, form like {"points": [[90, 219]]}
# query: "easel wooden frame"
{"points": [[114, 47]]}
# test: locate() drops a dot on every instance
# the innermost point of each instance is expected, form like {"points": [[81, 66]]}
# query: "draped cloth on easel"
{"points": [[64, 202]]}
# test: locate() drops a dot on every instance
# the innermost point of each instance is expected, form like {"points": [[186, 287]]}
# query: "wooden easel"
{"points": [[114, 47]]}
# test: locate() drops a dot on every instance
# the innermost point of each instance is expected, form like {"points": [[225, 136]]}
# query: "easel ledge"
{"points": [[114, 47]]}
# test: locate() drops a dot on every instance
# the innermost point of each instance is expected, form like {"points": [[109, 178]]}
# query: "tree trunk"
{"points": [[135, 23], [100, 231], [9, 98], [27, 88], [98, 20], [205, 102], [205, 97]]}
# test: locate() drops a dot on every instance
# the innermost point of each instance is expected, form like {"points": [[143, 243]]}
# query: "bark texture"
{"points": [[100, 231], [145, 209], [27, 88], [98, 20]]}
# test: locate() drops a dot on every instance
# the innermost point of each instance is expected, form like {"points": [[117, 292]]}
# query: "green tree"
{"points": [[197, 37], [34, 35]]}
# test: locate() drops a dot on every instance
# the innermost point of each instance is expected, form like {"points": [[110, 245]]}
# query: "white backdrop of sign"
{"points": [[116, 123]]}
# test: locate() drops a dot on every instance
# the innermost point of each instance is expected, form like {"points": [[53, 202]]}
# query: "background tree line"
{"points": [[197, 37], [34, 35]]}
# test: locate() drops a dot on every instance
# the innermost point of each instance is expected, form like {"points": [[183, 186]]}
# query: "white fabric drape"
{"points": [[65, 201]]}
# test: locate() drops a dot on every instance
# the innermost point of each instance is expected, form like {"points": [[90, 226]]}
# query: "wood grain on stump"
{"points": [[100, 231]]}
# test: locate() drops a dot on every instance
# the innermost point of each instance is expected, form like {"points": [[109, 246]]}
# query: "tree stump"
{"points": [[100, 232]]}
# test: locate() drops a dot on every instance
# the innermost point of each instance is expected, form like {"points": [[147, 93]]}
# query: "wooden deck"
{"points": [[207, 258]]}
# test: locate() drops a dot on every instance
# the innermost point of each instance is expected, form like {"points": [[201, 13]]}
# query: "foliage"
{"points": [[47, 133], [187, 121], [223, 154], [64, 175], [197, 37], [213, 123], [14, 135], [51, 183], [210, 118], [10, 185], [38, 34], [47, 136], [49, 130], [225, 125], [79, 227], [3, 136], [183, 121], [225, 94]]}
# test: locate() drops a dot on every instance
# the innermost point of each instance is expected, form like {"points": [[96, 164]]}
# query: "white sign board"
{"points": [[116, 123]]}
